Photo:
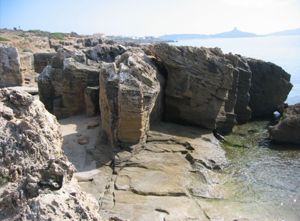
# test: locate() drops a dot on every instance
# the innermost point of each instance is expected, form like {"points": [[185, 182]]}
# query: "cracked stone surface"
{"points": [[161, 179]]}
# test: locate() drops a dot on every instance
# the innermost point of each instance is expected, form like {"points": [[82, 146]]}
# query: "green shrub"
{"points": [[3, 39], [58, 35]]}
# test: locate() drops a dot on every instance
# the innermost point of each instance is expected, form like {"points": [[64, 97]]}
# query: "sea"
{"points": [[281, 50]]}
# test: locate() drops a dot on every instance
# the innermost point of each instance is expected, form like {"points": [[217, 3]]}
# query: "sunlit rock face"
{"points": [[10, 67], [128, 92], [35, 176], [198, 84]]}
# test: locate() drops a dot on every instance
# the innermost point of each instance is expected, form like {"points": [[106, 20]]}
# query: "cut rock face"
{"points": [[35, 177], [128, 91], [198, 83], [10, 72], [288, 128], [270, 86], [242, 109], [62, 85]]}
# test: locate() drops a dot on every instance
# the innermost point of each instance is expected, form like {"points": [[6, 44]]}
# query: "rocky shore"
{"points": [[148, 150]]}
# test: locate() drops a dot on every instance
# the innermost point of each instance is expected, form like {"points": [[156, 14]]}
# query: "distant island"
{"points": [[234, 33]]}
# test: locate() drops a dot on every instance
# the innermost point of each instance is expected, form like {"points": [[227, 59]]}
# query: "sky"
{"points": [[150, 17]]}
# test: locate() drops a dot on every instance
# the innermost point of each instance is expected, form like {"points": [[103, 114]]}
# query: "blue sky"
{"points": [[150, 17]]}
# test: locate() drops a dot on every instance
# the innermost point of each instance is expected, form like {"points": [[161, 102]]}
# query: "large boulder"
{"points": [[35, 177], [10, 70], [62, 85], [287, 130], [270, 86], [128, 91], [198, 84]]}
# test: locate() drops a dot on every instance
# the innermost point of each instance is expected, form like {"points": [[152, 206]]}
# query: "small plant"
{"points": [[58, 35], [3, 39]]}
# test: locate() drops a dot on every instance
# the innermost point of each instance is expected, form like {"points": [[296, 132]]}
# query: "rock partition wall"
{"points": [[10, 67], [128, 91]]}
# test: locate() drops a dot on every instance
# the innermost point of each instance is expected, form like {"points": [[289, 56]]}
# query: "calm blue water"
{"points": [[283, 51]]}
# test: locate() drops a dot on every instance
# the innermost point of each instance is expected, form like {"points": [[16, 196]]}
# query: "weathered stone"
{"points": [[287, 130], [91, 98], [157, 181], [128, 91], [27, 68], [91, 42], [270, 86], [198, 83], [36, 178], [242, 109], [62, 90], [10, 72], [62, 53], [41, 60], [104, 52]]}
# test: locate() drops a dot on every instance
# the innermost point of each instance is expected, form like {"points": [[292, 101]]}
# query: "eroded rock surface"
{"points": [[62, 85], [198, 83], [287, 130], [162, 179], [35, 177], [128, 91], [10, 72]]}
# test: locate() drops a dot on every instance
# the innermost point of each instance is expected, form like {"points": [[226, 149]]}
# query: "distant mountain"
{"points": [[287, 32], [235, 33]]}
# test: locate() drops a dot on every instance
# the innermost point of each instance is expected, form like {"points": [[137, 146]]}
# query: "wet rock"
{"points": [[270, 86], [198, 80], [36, 178], [287, 130], [128, 91], [10, 67]]}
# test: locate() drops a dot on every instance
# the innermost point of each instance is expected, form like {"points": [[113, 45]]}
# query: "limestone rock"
{"points": [[198, 83], [104, 52], [128, 91], [10, 67], [27, 68], [41, 60], [288, 128], [91, 98], [242, 109], [36, 178], [158, 180], [270, 86], [62, 88]]}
